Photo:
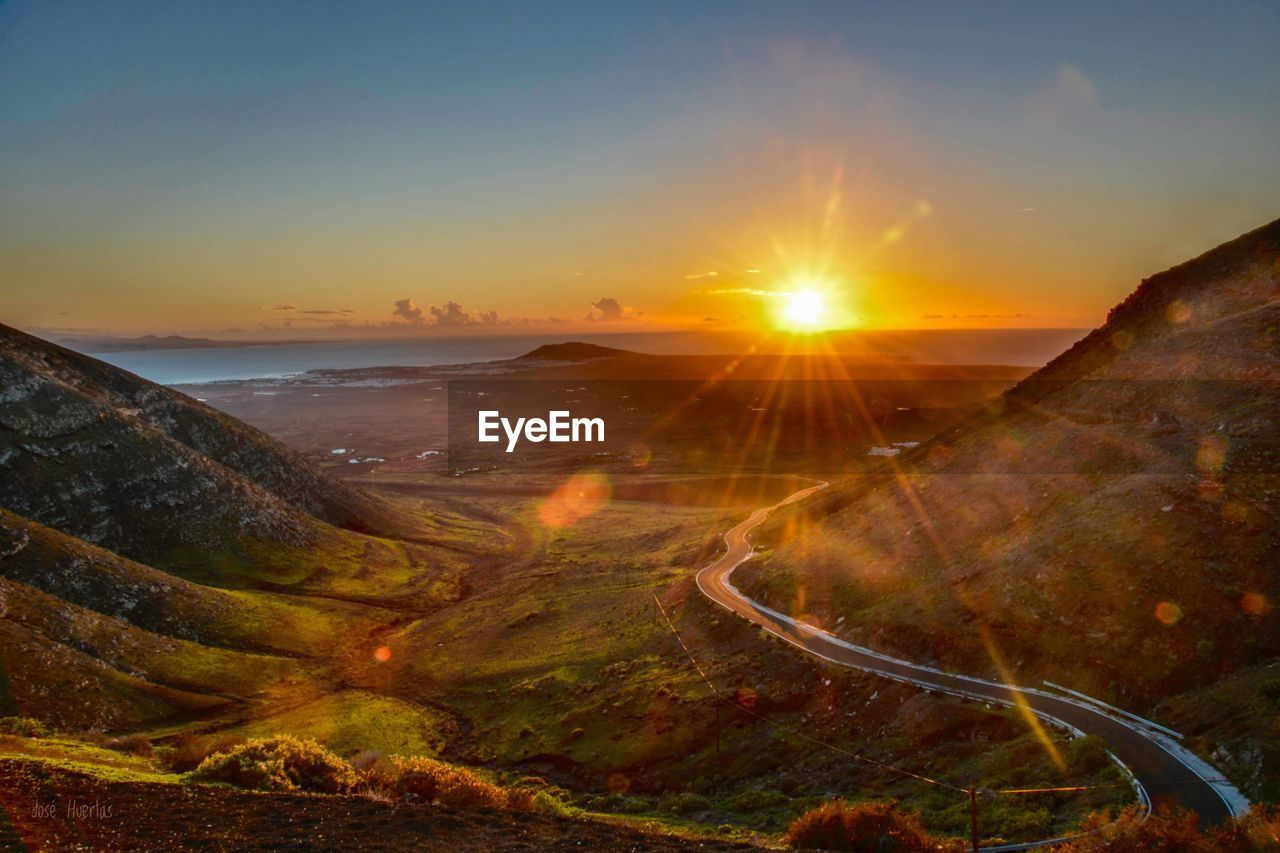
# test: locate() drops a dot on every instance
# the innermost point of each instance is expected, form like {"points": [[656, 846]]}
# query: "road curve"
{"points": [[1163, 770]]}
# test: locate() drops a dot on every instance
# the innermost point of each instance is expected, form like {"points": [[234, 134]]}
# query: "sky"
{"points": [[349, 169]]}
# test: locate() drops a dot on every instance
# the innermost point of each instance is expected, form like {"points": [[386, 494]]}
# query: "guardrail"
{"points": [[1086, 697]]}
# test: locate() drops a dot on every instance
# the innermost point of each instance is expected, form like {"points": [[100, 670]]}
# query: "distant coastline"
{"points": [[146, 343], [176, 360]]}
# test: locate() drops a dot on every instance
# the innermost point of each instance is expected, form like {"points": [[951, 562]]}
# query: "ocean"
{"points": [[1023, 347]]}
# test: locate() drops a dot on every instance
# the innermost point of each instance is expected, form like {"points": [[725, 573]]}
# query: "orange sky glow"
{"points": [[693, 169]]}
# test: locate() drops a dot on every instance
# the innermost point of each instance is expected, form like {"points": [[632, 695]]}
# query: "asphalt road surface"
{"points": [[1161, 774]]}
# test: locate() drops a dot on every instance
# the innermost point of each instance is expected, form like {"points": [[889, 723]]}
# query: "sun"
{"points": [[808, 304], [805, 311]]}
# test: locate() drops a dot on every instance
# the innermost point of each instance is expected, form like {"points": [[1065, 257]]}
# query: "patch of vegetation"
{"points": [[188, 750], [429, 781], [874, 827], [281, 763], [1131, 831], [84, 757], [353, 721], [596, 693], [23, 727]]}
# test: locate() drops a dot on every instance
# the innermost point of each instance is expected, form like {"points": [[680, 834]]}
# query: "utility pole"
{"points": [[717, 726], [973, 814]]}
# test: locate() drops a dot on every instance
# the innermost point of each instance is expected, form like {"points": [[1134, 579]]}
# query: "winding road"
{"points": [[1163, 770]]}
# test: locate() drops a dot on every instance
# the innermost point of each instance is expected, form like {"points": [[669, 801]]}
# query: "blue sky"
{"points": [[174, 166]]}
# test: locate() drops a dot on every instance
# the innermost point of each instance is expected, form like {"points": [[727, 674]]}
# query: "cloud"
{"points": [[327, 312], [611, 310], [279, 306], [453, 315], [749, 291], [1069, 92], [693, 276], [407, 311]]}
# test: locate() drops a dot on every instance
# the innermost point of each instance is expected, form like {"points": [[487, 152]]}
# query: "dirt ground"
{"points": [[157, 816]]}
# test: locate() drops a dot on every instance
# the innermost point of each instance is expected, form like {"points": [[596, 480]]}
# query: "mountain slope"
{"points": [[53, 393], [157, 477], [1110, 523], [164, 564]]}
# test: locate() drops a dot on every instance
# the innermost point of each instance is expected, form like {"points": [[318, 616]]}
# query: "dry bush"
{"points": [[431, 781], [522, 799], [23, 727], [872, 827], [1177, 831], [426, 780], [376, 792], [188, 751], [281, 763]]}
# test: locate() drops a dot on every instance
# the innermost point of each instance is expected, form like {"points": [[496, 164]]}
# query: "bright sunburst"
{"points": [[805, 310]]}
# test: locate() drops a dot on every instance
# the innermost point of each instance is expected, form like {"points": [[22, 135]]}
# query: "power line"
{"points": [[720, 696]]}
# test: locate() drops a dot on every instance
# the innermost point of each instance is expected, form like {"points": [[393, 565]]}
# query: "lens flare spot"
{"points": [[1209, 490], [382, 654], [640, 455], [1212, 455], [940, 456], [1255, 604], [1178, 312], [1168, 613], [579, 497]]}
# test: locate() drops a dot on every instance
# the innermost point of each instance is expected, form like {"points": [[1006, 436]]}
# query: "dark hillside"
{"points": [[56, 401], [1111, 523]]}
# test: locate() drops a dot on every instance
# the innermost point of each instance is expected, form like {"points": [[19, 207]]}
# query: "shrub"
{"points": [[683, 803], [636, 804], [282, 763], [873, 827], [1087, 754], [546, 803], [756, 800], [434, 781], [523, 799], [23, 727], [1131, 832]]}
